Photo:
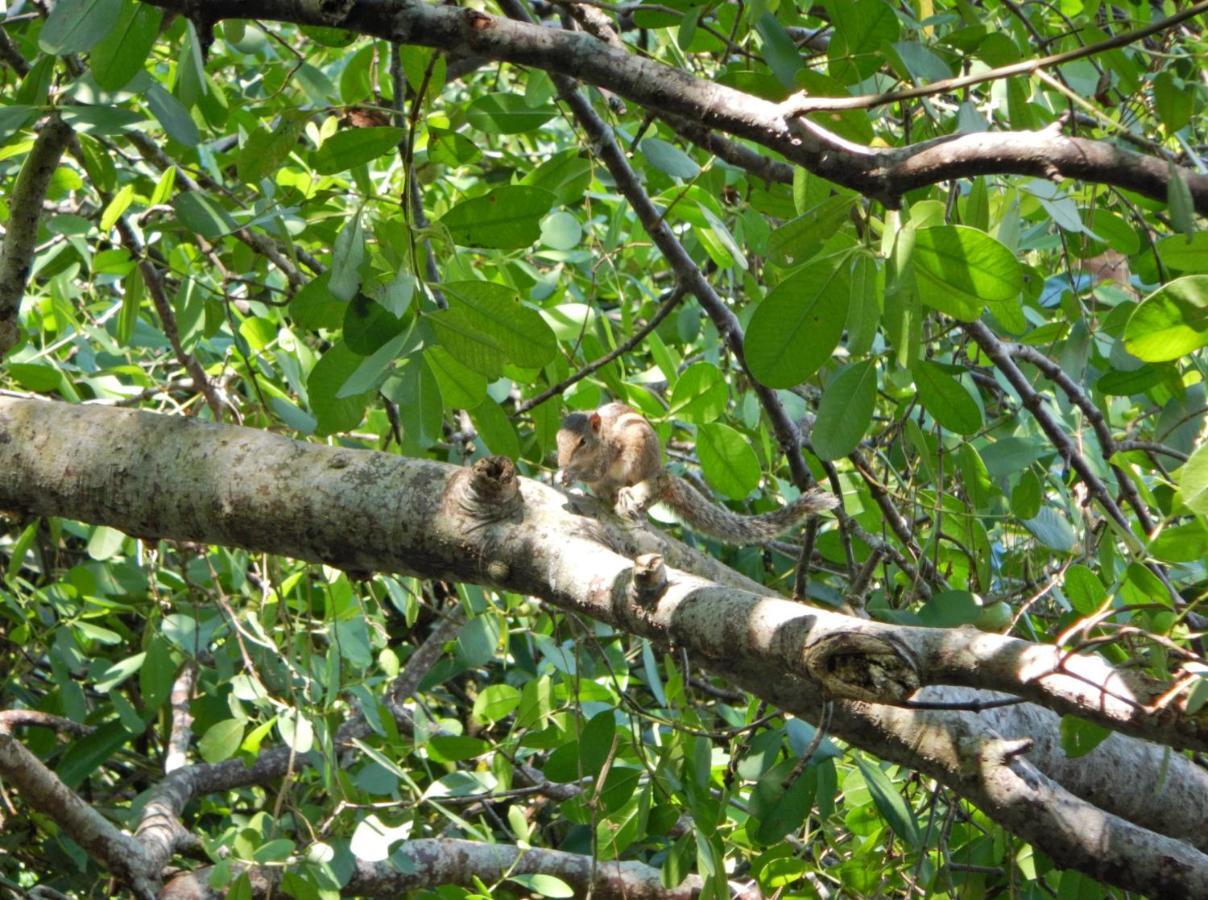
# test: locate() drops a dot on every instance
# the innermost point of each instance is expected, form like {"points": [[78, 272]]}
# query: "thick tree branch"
{"points": [[165, 477], [21, 234], [884, 174], [432, 862], [161, 477], [104, 841]]}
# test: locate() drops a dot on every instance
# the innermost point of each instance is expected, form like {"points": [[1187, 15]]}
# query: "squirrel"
{"points": [[616, 453]]}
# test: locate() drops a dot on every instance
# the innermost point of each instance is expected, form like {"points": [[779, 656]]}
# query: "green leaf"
{"points": [[1181, 543], [544, 885], [669, 159], [1179, 202], [726, 458], [520, 333], [452, 748], [75, 26], [778, 808], [460, 386], [315, 307], [36, 377], [1079, 737], [119, 672], [417, 394], [1185, 252], [1171, 322], [1027, 496], [507, 218], [801, 237], [795, 328], [846, 410], [172, 115], [459, 333], [561, 231], [266, 149], [890, 803], [948, 401], [122, 52], [221, 740], [1083, 589], [13, 119], [595, 742], [496, 429], [699, 395], [1135, 381], [864, 312], [99, 119], [274, 851], [495, 702], [779, 50], [1193, 481], [354, 147], [334, 413], [506, 114], [202, 215], [368, 326], [83, 757], [156, 676], [105, 542], [861, 27], [1052, 529], [346, 258], [960, 269], [1173, 100], [948, 609]]}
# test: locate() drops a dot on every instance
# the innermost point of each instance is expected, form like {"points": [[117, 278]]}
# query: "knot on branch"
{"points": [[649, 580], [335, 11], [489, 491], [858, 666]]}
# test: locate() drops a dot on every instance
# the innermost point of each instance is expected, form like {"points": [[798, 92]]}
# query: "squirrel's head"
{"points": [[578, 448]]}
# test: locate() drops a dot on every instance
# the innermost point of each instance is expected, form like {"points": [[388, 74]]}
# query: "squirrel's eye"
{"points": [[582, 441]]}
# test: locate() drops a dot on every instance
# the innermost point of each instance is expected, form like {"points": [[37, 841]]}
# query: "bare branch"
{"points": [[105, 842], [21, 235], [882, 173], [801, 104]]}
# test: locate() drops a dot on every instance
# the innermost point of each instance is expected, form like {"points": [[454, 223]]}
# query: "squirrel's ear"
{"points": [[595, 422]]}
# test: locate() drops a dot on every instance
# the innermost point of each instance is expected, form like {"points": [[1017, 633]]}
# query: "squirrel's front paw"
{"points": [[629, 504]]}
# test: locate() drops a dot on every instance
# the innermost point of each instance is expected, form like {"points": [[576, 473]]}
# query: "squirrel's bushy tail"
{"points": [[706, 517]]}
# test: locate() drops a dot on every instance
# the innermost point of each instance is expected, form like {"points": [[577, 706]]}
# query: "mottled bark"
{"points": [[881, 173], [161, 477]]}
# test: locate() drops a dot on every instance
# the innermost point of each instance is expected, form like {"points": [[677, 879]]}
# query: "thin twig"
{"points": [[801, 104], [670, 302]]}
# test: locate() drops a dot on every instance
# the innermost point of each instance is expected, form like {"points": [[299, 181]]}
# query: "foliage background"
{"points": [[385, 247]]}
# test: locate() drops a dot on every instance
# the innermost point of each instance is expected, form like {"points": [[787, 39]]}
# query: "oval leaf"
{"points": [[122, 52], [947, 400], [846, 410], [965, 269], [355, 146], [507, 218], [221, 740], [795, 328], [726, 458], [1170, 322], [74, 26], [520, 333]]}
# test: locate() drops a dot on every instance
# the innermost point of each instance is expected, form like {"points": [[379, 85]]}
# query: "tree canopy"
{"points": [[294, 295]]}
